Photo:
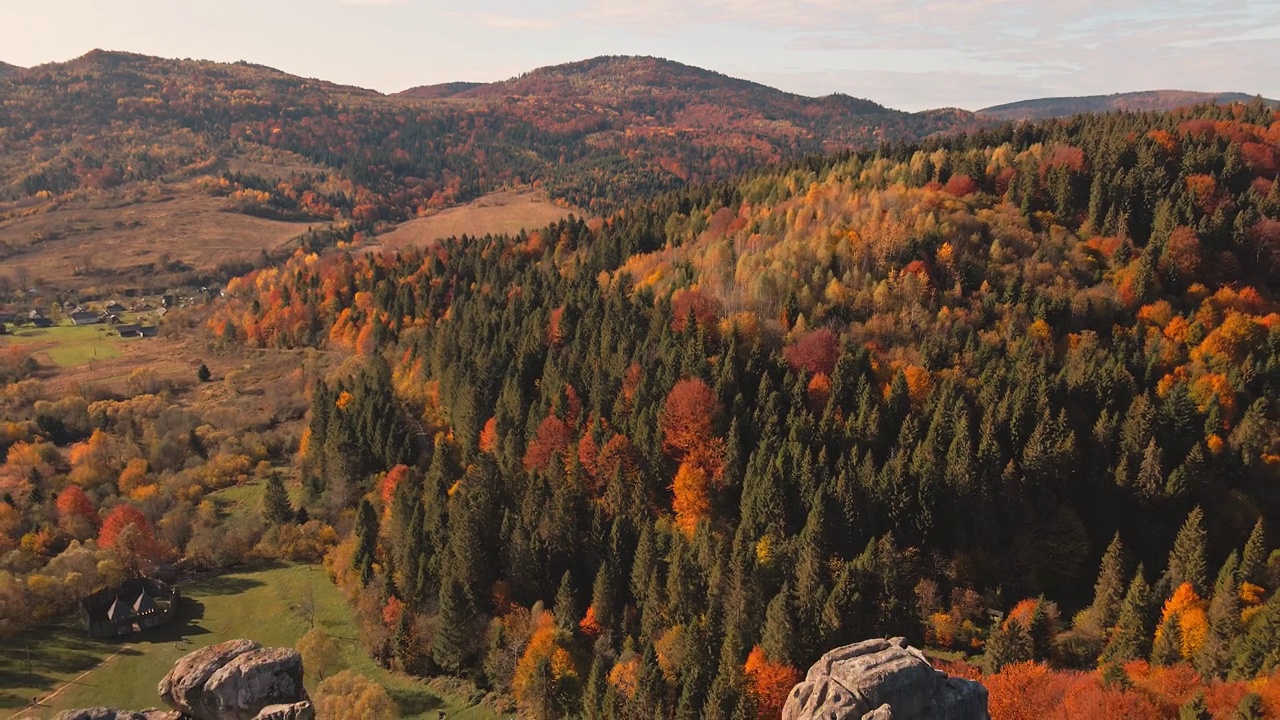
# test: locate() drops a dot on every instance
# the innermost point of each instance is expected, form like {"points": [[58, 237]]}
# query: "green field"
{"points": [[260, 603], [68, 345]]}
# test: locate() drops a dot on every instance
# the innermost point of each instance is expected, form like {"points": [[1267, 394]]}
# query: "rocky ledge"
{"points": [[234, 680], [883, 680]]}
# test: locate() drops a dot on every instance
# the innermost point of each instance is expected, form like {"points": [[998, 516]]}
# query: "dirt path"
{"points": [[23, 713]]}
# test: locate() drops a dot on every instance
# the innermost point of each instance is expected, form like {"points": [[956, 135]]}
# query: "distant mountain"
{"points": [[6, 69], [621, 79], [594, 134], [442, 90], [1149, 100]]}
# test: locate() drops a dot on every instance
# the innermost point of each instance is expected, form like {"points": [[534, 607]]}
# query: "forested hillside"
{"points": [[1143, 101], [294, 148], [662, 462]]}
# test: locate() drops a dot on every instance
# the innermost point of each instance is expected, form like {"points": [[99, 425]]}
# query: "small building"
{"points": [[115, 308], [133, 606], [148, 331], [36, 318], [129, 330], [85, 317], [8, 317]]}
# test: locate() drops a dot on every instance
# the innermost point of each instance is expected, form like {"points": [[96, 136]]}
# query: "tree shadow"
{"points": [[225, 585], [185, 624], [414, 700]]}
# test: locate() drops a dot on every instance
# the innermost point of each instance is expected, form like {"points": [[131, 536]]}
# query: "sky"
{"points": [[906, 54]]}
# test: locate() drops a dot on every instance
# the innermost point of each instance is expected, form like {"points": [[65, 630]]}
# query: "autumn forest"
{"points": [[1008, 390]]}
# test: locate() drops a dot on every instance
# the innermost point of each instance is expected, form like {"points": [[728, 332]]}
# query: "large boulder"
{"points": [[183, 687], [883, 680], [252, 681]]}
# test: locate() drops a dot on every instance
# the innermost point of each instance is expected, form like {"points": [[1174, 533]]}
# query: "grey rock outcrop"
{"points": [[883, 680], [183, 687], [252, 681], [102, 713]]}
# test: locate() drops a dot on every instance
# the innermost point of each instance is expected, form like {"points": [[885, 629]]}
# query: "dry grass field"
{"points": [[86, 244], [509, 211]]}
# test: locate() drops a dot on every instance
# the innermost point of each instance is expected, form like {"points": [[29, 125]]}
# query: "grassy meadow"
{"points": [[263, 603]]}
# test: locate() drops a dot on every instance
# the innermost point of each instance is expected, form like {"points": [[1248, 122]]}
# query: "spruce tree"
{"points": [[1130, 638], [1009, 644], [1167, 648], [1187, 563], [565, 608], [1214, 657], [452, 645], [276, 509], [779, 636], [366, 540], [1108, 590], [1254, 558]]}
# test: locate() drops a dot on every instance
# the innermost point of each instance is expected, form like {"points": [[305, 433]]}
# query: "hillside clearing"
{"points": [[506, 212], [214, 610]]}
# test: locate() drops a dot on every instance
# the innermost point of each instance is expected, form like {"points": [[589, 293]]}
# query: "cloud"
{"points": [[508, 22], [996, 49]]}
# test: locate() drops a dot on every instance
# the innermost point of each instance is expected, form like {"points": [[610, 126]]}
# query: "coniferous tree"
{"points": [[1167, 648], [366, 540], [1109, 589], [565, 606], [1187, 563], [452, 645], [1214, 658], [779, 637], [1254, 558], [276, 508], [1258, 650], [1130, 639]]}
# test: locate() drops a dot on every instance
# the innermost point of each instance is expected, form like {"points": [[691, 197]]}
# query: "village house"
{"points": [[85, 317]]}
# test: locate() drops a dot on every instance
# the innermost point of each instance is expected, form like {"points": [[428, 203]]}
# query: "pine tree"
{"points": [[1167, 648], [1108, 590], [1130, 638], [779, 636], [1187, 563], [1214, 657], [566, 608], [452, 645], [1009, 643], [366, 540], [1254, 558], [276, 509]]}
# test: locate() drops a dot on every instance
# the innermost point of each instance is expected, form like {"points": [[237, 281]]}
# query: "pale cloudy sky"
{"points": [[909, 54]]}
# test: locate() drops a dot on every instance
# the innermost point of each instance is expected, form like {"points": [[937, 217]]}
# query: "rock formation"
{"points": [[234, 680], [883, 680]]}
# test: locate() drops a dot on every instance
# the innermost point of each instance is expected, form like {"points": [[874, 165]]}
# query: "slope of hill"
{"points": [[1150, 100], [868, 394], [6, 69], [108, 128]]}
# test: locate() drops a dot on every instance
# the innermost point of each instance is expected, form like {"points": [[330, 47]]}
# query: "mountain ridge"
{"points": [[1136, 101]]}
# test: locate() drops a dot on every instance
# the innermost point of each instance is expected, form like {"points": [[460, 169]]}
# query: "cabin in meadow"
{"points": [[133, 606]]}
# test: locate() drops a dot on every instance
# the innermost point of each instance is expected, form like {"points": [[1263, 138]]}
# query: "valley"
{"points": [[625, 388]]}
